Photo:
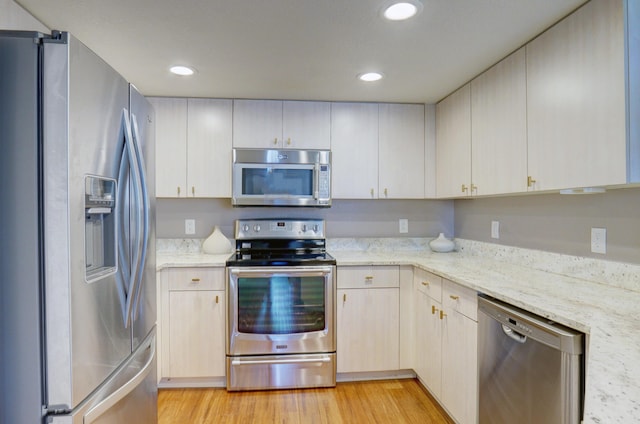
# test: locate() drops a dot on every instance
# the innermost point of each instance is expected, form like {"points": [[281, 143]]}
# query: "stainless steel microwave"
{"points": [[268, 177]]}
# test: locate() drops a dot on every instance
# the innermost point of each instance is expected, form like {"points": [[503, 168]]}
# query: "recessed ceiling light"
{"points": [[370, 76], [401, 10], [182, 70]]}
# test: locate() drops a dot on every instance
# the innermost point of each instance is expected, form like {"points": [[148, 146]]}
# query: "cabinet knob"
{"points": [[442, 314], [195, 280], [454, 297], [368, 279], [372, 192], [385, 192], [474, 188], [289, 141], [193, 190], [217, 299], [425, 283], [344, 297], [530, 181], [464, 188], [178, 190], [433, 309], [275, 141]]}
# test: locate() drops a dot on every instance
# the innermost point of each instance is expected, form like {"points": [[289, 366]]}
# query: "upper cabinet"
{"points": [[453, 149], [401, 151], [193, 147], [576, 100], [281, 124], [499, 128], [354, 134]]}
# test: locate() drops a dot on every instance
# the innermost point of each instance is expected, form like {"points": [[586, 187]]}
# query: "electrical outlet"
{"points": [[189, 226], [403, 225], [495, 229], [599, 240]]}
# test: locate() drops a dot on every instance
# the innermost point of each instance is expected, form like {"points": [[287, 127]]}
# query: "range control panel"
{"points": [[279, 228]]}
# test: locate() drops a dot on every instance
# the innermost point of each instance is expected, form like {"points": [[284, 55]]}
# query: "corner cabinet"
{"points": [[281, 124], [446, 357], [193, 147], [192, 325], [368, 318]]}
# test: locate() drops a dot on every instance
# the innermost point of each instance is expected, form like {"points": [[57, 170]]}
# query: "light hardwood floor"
{"points": [[385, 401]]}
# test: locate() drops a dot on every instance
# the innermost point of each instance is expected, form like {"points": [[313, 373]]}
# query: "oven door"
{"points": [[281, 310]]}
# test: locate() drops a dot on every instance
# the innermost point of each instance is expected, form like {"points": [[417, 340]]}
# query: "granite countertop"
{"points": [[600, 298]]}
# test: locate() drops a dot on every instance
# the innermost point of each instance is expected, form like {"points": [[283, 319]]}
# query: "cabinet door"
{"points": [[354, 150], [257, 123], [499, 128], [453, 148], [428, 342], [306, 125], [197, 333], [401, 151], [368, 330], [460, 367], [576, 100], [171, 146], [209, 147]]}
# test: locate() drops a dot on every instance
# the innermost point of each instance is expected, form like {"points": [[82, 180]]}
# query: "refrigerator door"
{"points": [[86, 337]]}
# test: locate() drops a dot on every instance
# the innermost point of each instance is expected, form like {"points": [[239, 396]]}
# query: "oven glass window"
{"points": [[281, 305], [293, 182]]}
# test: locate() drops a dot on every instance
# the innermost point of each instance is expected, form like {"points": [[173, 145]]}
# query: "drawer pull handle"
{"points": [[425, 283], [454, 297], [344, 297], [442, 314], [433, 309], [217, 299], [193, 190], [195, 280]]}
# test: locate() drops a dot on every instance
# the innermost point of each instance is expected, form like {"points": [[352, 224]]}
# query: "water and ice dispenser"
{"points": [[100, 227]]}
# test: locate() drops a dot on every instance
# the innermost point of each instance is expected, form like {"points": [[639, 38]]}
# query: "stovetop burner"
{"points": [[280, 242]]}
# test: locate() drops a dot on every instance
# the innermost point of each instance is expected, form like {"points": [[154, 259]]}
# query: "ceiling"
{"points": [[300, 49]]}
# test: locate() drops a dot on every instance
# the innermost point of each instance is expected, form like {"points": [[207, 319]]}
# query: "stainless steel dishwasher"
{"points": [[530, 369]]}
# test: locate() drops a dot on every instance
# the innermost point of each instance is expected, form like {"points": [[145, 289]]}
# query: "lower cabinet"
{"points": [[368, 318], [446, 356], [192, 324]]}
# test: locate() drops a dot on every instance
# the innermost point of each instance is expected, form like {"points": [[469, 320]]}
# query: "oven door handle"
{"points": [[280, 361], [291, 272]]}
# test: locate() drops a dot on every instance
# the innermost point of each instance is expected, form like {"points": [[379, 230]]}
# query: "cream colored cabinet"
{"points": [[171, 146], [446, 343], [368, 319], [576, 112], [193, 147], [401, 155], [428, 327], [459, 352], [354, 150], [499, 128], [453, 149], [281, 124], [192, 326]]}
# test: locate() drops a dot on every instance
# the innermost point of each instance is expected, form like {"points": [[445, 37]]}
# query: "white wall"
{"points": [[14, 17]]}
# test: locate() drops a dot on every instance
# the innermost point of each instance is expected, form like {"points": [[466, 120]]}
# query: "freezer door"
{"points": [[83, 104]]}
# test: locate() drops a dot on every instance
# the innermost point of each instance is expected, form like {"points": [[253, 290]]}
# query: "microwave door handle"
{"points": [[316, 181]]}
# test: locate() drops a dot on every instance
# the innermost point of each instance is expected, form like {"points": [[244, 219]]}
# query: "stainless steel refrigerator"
{"points": [[77, 262]]}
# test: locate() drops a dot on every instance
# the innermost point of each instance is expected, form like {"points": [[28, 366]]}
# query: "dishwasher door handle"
{"points": [[520, 338]]}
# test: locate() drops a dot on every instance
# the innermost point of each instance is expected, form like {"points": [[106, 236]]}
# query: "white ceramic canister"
{"points": [[216, 243], [441, 244]]}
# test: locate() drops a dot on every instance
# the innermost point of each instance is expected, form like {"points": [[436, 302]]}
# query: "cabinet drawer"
{"points": [[428, 283], [357, 277], [196, 278], [461, 299]]}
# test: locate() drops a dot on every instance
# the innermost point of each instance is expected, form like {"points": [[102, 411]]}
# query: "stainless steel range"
{"points": [[281, 306]]}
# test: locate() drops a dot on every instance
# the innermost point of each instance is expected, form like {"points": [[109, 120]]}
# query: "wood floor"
{"points": [[386, 401]]}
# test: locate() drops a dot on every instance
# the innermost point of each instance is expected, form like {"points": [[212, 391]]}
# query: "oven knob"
{"points": [[256, 228], [304, 228], [245, 228], [315, 228]]}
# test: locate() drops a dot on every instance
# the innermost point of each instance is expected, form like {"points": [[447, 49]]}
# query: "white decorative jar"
{"points": [[442, 244], [216, 243]]}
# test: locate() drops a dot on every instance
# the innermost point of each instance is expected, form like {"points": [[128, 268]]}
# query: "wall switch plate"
{"points": [[189, 226], [403, 225], [495, 229], [599, 240]]}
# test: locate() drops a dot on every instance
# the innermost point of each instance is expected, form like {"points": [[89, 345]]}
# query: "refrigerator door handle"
{"points": [[123, 279], [130, 151], [144, 231], [94, 413]]}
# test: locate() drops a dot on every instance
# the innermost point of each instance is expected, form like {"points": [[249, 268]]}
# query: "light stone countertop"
{"points": [[600, 298]]}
